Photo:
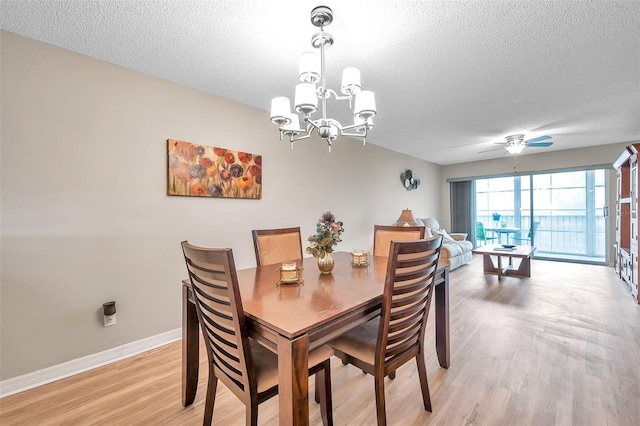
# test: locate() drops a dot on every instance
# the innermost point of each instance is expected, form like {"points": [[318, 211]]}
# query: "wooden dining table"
{"points": [[291, 319]]}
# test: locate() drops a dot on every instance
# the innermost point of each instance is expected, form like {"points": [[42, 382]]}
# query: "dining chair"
{"points": [[385, 343], [246, 368], [481, 235], [277, 245], [530, 234], [384, 234]]}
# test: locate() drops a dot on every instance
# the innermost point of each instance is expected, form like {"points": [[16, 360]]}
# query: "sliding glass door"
{"points": [[561, 214], [569, 208]]}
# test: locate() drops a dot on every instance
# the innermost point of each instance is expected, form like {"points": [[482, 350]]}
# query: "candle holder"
{"points": [[290, 273], [359, 258]]}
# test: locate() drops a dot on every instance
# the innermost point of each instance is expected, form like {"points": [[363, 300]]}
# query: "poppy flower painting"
{"points": [[196, 170]]}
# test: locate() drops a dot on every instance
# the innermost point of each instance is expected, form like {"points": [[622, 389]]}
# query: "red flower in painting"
{"points": [[182, 172], [225, 175], [229, 158], [185, 150], [220, 152], [206, 162], [244, 182], [255, 170], [244, 157], [199, 189], [258, 160], [258, 179]]}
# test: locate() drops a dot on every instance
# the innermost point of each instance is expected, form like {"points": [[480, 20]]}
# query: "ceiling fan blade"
{"points": [[538, 139], [539, 144], [492, 149]]}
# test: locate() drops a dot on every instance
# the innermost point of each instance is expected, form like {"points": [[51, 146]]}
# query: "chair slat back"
{"points": [[215, 285], [383, 235], [407, 298], [277, 245]]}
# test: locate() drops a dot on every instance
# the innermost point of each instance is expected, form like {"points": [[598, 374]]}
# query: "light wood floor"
{"points": [[562, 347]]}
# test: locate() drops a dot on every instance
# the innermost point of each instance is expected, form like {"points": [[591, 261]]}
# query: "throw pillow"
{"points": [[428, 233], [446, 238]]}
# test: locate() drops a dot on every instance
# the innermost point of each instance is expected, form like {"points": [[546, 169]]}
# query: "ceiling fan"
{"points": [[516, 143]]}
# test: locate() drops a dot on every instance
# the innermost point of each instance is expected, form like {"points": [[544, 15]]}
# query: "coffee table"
{"points": [[489, 252]]}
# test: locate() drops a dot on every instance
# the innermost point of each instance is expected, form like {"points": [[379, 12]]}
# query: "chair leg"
{"points": [[380, 403], [212, 385], [392, 375], [323, 391], [424, 383], [252, 412]]}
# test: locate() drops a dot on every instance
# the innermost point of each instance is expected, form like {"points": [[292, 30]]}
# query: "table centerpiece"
{"points": [[328, 232]]}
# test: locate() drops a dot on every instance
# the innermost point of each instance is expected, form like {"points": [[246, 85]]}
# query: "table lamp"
{"points": [[406, 219]]}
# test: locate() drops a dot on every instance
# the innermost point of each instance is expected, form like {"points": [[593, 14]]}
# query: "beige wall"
{"points": [[85, 215]]}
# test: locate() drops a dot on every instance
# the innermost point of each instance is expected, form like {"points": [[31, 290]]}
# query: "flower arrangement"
{"points": [[328, 231]]}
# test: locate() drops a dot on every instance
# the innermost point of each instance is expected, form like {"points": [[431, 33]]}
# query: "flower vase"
{"points": [[325, 263]]}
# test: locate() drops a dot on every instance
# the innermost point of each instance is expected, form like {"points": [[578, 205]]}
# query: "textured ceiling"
{"points": [[451, 78]]}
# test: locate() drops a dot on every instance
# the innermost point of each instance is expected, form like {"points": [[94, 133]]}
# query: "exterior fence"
{"points": [[566, 235]]}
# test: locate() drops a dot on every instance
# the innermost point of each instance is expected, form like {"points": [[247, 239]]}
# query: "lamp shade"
{"points": [[306, 98], [365, 104], [309, 67], [280, 110], [294, 125], [406, 219], [350, 81]]}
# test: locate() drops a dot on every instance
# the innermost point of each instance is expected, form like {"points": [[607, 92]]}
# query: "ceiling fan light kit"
{"points": [[307, 95], [515, 144]]}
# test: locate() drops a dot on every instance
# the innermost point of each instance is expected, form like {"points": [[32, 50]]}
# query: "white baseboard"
{"points": [[89, 362]]}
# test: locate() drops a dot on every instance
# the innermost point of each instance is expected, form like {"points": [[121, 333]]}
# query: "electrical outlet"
{"points": [[109, 320]]}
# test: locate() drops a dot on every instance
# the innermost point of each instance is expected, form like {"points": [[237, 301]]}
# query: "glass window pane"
{"points": [[567, 210]]}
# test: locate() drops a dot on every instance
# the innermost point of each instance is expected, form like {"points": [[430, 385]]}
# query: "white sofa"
{"points": [[456, 250]]}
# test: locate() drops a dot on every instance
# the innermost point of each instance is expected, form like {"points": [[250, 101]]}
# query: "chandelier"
{"points": [[307, 95], [515, 144]]}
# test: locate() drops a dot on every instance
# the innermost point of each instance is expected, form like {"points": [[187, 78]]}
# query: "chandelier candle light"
{"points": [[311, 72]]}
